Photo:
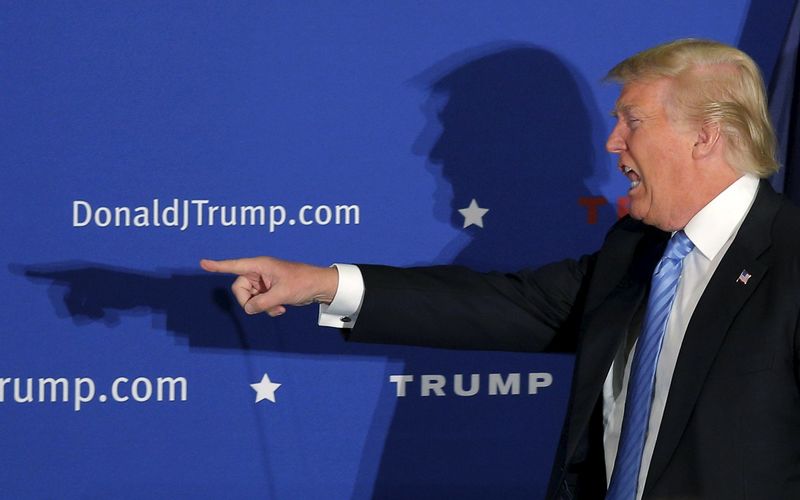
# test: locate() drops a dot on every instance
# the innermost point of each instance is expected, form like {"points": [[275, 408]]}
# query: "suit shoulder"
{"points": [[786, 227]]}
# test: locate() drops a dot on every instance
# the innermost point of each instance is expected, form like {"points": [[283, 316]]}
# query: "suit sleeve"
{"points": [[454, 307]]}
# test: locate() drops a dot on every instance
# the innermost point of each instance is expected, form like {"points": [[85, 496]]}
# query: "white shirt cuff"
{"points": [[343, 310]]}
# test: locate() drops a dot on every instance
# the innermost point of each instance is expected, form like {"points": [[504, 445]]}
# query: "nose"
{"points": [[616, 141]]}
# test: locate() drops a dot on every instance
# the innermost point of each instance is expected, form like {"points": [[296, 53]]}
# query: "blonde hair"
{"points": [[713, 83]]}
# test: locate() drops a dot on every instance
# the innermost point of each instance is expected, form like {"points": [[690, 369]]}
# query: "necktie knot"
{"points": [[678, 247]]}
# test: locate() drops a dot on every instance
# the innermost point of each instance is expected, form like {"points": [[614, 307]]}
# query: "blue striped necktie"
{"points": [[625, 478]]}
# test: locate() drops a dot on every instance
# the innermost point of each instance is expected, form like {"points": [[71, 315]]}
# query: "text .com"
{"points": [[80, 391]]}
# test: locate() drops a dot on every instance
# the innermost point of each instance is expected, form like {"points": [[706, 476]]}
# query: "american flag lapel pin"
{"points": [[744, 277]]}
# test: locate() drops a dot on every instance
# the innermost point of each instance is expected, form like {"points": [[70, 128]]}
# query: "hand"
{"points": [[265, 284]]}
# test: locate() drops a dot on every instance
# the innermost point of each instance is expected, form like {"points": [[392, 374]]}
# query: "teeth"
{"points": [[627, 170]]}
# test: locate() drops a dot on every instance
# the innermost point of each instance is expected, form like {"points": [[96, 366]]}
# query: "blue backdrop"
{"points": [[138, 137]]}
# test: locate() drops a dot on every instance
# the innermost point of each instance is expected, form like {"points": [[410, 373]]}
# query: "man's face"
{"points": [[655, 154]]}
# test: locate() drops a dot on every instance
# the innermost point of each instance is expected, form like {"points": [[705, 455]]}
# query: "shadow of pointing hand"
{"points": [[88, 293], [197, 306]]}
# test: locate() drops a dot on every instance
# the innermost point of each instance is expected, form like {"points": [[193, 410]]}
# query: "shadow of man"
{"points": [[515, 135], [509, 128]]}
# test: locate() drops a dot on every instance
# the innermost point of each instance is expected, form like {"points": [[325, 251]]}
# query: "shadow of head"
{"points": [[507, 126]]}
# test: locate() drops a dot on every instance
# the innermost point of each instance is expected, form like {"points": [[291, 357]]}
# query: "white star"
{"points": [[265, 389], [473, 214]]}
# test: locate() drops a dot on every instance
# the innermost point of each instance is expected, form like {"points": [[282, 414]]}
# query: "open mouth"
{"points": [[632, 176]]}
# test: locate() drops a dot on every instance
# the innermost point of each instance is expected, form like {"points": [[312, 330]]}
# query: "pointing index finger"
{"points": [[233, 266]]}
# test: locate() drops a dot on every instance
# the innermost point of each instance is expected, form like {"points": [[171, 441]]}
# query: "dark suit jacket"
{"points": [[731, 428]]}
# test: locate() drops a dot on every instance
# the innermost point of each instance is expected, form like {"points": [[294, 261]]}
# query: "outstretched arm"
{"points": [[266, 284]]}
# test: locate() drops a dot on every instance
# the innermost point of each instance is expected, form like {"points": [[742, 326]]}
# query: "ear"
{"points": [[707, 142]]}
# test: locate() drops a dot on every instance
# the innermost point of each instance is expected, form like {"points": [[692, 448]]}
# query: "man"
{"points": [[686, 381]]}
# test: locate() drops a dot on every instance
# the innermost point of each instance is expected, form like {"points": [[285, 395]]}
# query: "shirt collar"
{"points": [[715, 223]]}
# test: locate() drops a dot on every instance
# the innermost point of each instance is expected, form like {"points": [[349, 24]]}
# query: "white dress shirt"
{"points": [[712, 231]]}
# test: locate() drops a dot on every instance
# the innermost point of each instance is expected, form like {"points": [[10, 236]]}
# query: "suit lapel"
{"points": [[721, 301], [608, 327]]}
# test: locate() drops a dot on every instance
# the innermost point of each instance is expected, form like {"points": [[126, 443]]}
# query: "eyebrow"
{"points": [[623, 109]]}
